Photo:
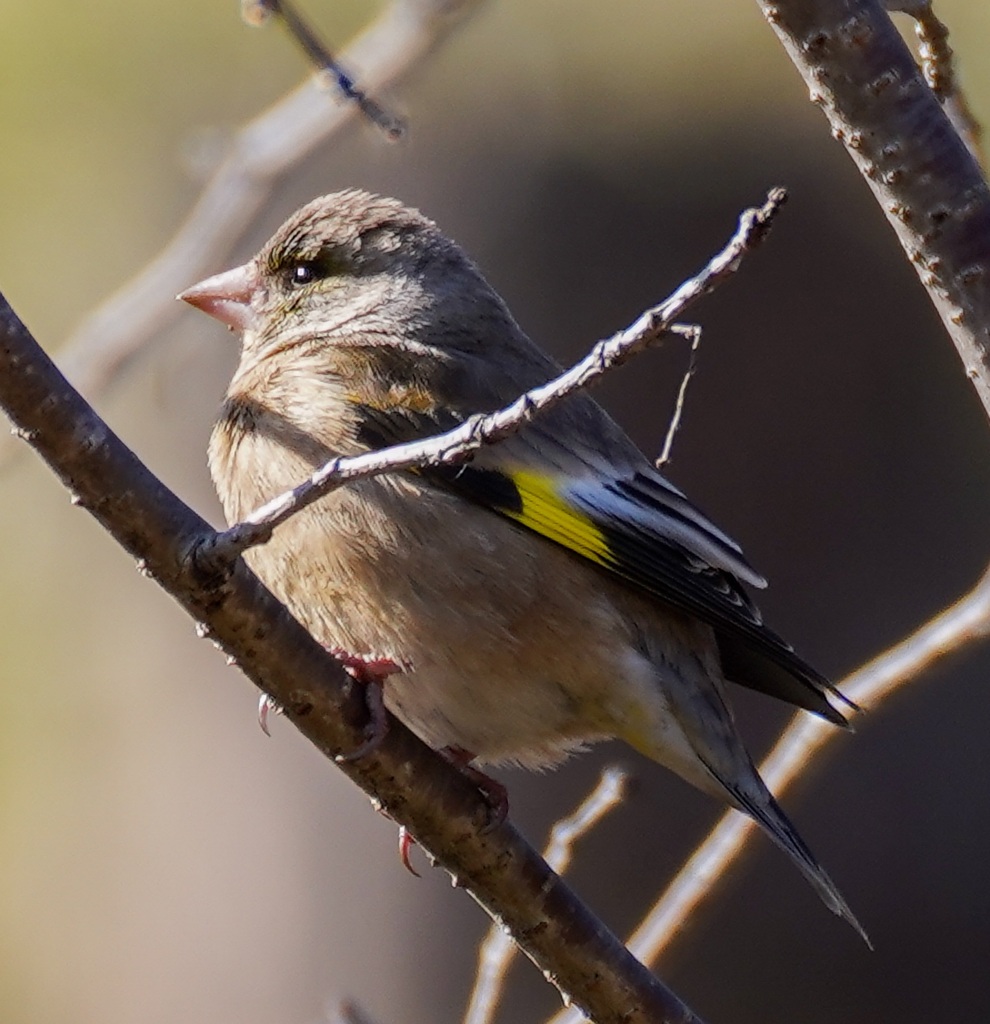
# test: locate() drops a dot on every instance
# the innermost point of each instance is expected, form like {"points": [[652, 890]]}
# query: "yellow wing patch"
{"points": [[544, 511]]}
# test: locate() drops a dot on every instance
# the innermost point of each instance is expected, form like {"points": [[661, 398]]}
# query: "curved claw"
{"points": [[406, 843], [266, 706]]}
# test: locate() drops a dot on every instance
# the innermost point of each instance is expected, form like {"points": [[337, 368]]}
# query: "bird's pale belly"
{"points": [[517, 658]]}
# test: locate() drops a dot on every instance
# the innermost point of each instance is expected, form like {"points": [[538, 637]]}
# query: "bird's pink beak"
{"points": [[227, 296]]}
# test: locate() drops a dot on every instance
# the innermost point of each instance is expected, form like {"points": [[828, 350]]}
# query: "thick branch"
{"points": [[861, 73], [402, 775]]}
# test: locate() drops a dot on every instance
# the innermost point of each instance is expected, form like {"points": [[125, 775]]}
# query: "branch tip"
{"points": [[328, 69]]}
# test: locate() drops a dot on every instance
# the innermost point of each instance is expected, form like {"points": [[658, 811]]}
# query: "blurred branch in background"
{"points": [[934, 193], [350, 1012], [498, 947], [262, 150]]}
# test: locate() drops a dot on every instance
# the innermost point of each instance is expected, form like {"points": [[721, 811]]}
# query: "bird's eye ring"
{"points": [[303, 273]]}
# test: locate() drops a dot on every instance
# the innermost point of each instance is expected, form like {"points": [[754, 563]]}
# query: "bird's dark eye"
{"points": [[304, 273]]}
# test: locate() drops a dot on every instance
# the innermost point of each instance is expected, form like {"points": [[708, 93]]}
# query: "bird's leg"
{"points": [[371, 672], [491, 789]]}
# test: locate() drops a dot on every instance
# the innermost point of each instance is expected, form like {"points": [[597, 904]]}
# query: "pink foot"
{"points": [[373, 669], [491, 789], [371, 673]]}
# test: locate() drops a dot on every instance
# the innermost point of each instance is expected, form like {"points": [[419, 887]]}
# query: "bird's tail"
{"points": [[767, 813]]}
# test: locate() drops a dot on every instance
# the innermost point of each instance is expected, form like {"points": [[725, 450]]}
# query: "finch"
{"points": [[553, 592]]}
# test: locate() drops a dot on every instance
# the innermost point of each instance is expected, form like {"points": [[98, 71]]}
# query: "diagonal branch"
{"points": [[861, 74], [262, 150], [458, 445], [404, 777], [327, 64]]}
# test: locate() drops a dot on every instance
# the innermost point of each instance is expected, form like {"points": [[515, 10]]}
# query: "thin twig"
{"points": [[498, 948], [963, 623], [675, 419], [457, 445], [331, 69], [262, 150], [939, 68]]}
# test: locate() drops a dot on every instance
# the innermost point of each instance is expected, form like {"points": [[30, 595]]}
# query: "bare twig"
{"points": [[262, 150], [963, 623], [329, 67], [405, 778], [939, 69], [498, 948], [457, 445], [675, 419]]}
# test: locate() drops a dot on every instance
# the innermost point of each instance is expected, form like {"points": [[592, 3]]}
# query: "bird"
{"points": [[554, 591]]}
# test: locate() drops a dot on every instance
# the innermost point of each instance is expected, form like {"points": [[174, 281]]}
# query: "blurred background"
{"points": [[160, 859]]}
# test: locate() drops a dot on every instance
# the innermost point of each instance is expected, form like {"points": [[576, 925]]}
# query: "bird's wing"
{"points": [[573, 477]]}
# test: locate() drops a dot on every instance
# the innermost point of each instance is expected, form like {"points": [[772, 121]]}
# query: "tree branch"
{"points": [[404, 777], [459, 444], [262, 150], [861, 73], [327, 64]]}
